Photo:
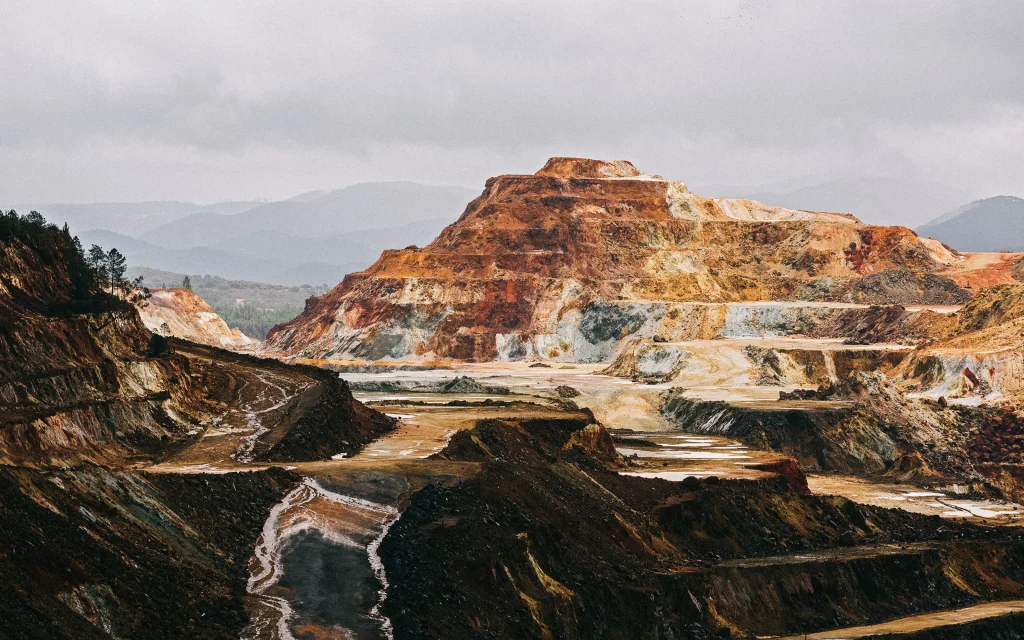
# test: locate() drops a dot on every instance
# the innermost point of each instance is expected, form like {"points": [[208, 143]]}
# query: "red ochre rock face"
{"points": [[564, 263]]}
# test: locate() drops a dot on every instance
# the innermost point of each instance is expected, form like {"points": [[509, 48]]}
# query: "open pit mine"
{"points": [[597, 405]]}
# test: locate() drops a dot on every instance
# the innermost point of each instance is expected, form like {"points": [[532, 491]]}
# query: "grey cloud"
{"points": [[732, 92]]}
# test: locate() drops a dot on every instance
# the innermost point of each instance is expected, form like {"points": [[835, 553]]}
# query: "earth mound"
{"points": [[183, 314], [565, 263]]}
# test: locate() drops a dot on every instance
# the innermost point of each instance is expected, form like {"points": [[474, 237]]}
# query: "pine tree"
{"points": [[82, 277], [138, 292], [97, 261], [186, 283], [116, 266]]}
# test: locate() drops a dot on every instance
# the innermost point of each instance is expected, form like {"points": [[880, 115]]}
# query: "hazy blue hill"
{"points": [[108, 239], [130, 218], [196, 230], [873, 200], [362, 206], [194, 260], [271, 256], [991, 224], [314, 238]]}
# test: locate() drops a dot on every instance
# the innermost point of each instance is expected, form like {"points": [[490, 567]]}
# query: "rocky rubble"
{"points": [[999, 438], [905, 286], [890, 323], [995, 448]]}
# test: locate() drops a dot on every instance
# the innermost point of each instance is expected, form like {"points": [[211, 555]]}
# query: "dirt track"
{"points": [[919, 623]]}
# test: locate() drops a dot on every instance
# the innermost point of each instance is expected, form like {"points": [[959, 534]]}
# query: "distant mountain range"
{"points": [[129, 218], [272, 256], [932, 209], [884, 201], [370, 205], [314, 238], [992, 224], [320, 236]]}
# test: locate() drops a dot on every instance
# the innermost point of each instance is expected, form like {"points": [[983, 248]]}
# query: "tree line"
{"points": [[97, 273], [252, 320]]}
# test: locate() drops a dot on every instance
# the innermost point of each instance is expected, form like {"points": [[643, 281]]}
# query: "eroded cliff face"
{"points": [[92, 546], [862, 424], [564, 263], [183, 314], [548, 542], [83, 380], [978, 351], [79, 383], [102, 553]]}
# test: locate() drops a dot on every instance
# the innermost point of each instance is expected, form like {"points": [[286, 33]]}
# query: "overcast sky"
{"points": [[206, 101]]}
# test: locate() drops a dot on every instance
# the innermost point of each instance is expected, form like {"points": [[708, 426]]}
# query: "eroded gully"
{"points": [[316, 570]]}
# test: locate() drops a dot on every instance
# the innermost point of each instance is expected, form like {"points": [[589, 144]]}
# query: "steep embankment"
{"points": [[564, 263], [979, 350], [183, 314], [92, 547], [548, 541], [100, 553], [862, 424], [81, 379]]}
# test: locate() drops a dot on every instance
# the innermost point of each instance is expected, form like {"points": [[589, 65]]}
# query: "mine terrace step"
{"points": [[922, 622], [792, 405], [833, 555]]}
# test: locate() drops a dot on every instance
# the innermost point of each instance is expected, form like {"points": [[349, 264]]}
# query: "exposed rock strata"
{"points": [[183, 314], [86, 381], [91, 549], [646, 361], [565, 263], [815, 367], [979, 351], [78, 380], [861, 425], [548, 542], [94, 553]]}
